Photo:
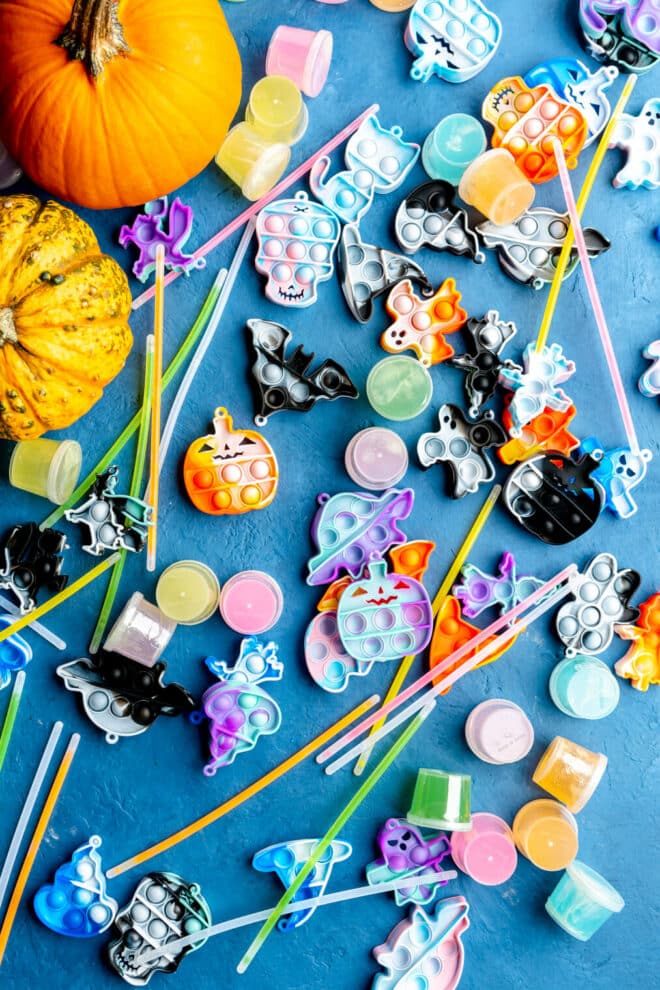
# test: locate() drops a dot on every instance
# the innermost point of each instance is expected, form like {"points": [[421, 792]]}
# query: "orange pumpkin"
{"points": [[64, 309], [109, 103]]}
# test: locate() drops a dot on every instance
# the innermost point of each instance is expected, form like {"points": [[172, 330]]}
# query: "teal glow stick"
{"points": [[10, 717]]}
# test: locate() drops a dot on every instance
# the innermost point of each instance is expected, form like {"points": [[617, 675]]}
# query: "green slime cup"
{"points": [[441, 800]]}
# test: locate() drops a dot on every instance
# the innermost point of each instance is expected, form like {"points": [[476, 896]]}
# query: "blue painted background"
{"points": [[140, 790]]}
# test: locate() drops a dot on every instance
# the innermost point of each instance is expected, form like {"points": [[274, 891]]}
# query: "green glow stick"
{"points": [[10, 717]]}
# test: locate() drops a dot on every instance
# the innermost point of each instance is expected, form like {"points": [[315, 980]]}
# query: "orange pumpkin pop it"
{"points": [[641, 664], [420, 325], [451, 631], [547, 431]]}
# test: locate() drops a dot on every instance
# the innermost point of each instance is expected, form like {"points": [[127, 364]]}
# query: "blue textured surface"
{"points": [[142, 789]]}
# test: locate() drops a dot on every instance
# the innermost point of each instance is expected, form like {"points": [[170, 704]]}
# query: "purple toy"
{"points": [[148, 232], [640, 19], [407, 853], [479, 591]]}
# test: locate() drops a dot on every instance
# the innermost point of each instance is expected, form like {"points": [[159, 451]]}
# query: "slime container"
{"points": [[569, 772], [376, 458], [497, 731], [584, 687], [582, 901], [300, 55], [251, 161], [49, 468], [276, 110], [495, 186], [487, 853], [546, 833], [399, 387], [251, 602], [441, 800], [390, 6], [452, 145], [188, 592], [141, 631]]}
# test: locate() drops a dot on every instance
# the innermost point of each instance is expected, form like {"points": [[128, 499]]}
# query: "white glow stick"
{"points": [[36, 627]]}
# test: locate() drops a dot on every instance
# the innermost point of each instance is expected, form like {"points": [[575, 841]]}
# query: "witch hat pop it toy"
{"points": [[15, 653], [619, 470], [420, 325], [286, 859], [641, 664], [428, 217], [479, 590], [461, 444], [488, 337], [30, 560], [367, 271], [571, 80], [600, 601], [535, 385], [76, 903], [639, 136], [625, 32], [112, 521], [238, 708], [425, 951], [148, 232], [282, 382], [230, 471], [452, 39], [547, 431], [406, 852], [649, 382]]}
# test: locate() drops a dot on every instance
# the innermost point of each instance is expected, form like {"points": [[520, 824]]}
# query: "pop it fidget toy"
{"points": [[384, 616], [427, 217], [31, 560], [482, 363], [76, 903], [640, 137], [238, 708], [122, 697], [286, 859], [297, 241], [230, 471], [547, 431], [626, 32], [282, 382], [641, 664], [377, 161], [526, 120], [420, 325], [405, 852], [15, 653], [452, 631], [112, 521], [349, 527], [452, 39], [479, 591], [412, 558], [461, 444], [148, 233], [535, 385], [649, 382], [425, 951], [571, 80], [367, 271], [528, 249], [163, 908], [619, 471], [600, 600], [554, 497]]}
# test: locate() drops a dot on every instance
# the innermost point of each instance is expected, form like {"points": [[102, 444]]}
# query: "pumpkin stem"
{"points": [[94, 35], [8, 333]]}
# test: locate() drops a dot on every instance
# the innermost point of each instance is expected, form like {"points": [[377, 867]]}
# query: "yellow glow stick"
{"points": [[156, 391]]}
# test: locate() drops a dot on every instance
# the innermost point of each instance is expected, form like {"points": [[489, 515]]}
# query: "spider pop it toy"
{"points": [[649, 383], [148, 232], [112, 521], [76, 903], [641, 664], [571, 80], [420, 325], [452, 39], [601, 598], [625, 32], [31, 560], [640, 137], [535, 385], [405, 852], [488, 337], [15, 653], [461, 444], [479, 591], [427, 217], [619, 471]]}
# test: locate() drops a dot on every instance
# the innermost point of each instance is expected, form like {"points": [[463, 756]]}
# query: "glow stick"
{"points": [[35, 627], [61, 596], [443, 591], [33, 848], [251, 211], [28, 808], [238, 799], [154, 453], [10, 717], [594, 297], [587, 185], [342, 818], [453, 658]]}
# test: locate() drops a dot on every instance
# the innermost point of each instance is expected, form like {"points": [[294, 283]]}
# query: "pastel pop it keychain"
{"points": [[488, 336], [478, 590], [461, 444], [406, 852], [641, 664], [428, 217], [452, 39], [76, 903], [420, 325], [15, 653], [535, 386], [148, 231], [639, 136], [571, 80], [546, 432], [649, 382], [625, 32], [600, 601], [620, 469]]}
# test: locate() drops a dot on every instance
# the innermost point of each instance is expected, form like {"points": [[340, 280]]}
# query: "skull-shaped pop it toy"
{"points": [[452, 39], [461, 444], [420, 325], [405, 852], [297, 241], [76, 903], [640, 137], [164, 908], [601, 598], [527, 119], [547, 431], [488, 337], [641, 664], [535, 385], [571, 80], [620, 469], [625, 32], [649, 382], [427, 217], [479, 591], [15, 653]]}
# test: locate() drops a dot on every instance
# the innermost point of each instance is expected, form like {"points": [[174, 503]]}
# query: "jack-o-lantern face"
{"points": [[230, 471]]}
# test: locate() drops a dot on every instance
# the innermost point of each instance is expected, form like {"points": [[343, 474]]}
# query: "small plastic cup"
{"points": [[441, 800], [141, 631], [547, 834], [251, 602], [487, 853], [276, 110], [9, 170], [584, 687], [49, 468], [251, 161], [582, 901], [495, 186], [188, 592], [499, 732], [452, 145], [302, 56], [399, 387], [376, 458], [570, 772]]}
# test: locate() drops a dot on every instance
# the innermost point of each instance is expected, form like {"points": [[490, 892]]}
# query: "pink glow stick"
{"points": [[252, 210], [594, 297], [449, 661]]}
